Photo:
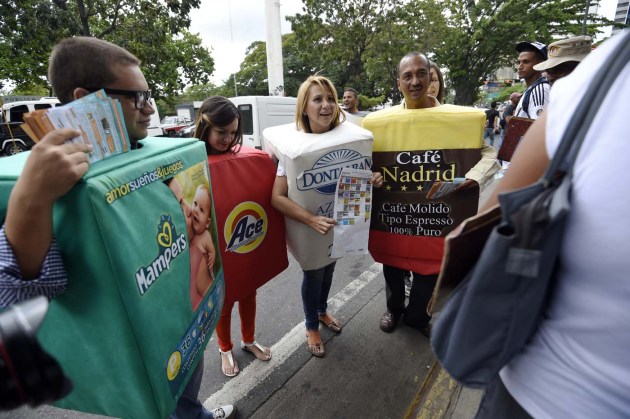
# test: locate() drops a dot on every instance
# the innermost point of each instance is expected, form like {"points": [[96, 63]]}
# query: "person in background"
{"points": [[536, 95], [317, 113], [81, 65], [576, 365], [30, 262], [492, 124], [219, 127], [564, 57], [351, 102], [508, 112], [436, 84]]}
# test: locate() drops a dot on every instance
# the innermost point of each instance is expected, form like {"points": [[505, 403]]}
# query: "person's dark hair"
{"points": [[84, 62], [442, 91], [411, 55], [217, 111], [493, 105], [350, 89]]}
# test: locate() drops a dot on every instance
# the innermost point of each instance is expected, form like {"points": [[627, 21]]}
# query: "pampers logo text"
{"points": [[170, 245], [147, 178], [325, 173]]}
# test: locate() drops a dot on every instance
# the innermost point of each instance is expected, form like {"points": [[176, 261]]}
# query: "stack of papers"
{"points": [[98, 117]]}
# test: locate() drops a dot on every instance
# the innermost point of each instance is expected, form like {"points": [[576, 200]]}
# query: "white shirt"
{"points": [[578, 363]]}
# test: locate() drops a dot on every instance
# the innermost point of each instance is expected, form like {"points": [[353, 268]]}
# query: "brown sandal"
{"points": [[263, 353], [332, 325], [317, 349]]}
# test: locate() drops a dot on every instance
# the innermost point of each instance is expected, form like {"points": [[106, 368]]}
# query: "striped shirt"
{"points": [[52, 279], [538, 97]]}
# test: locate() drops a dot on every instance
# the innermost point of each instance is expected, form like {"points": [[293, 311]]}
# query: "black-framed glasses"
{"points": [[141, 97]]}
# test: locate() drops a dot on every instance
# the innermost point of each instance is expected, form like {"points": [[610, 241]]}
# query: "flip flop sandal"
{"points": [[228, 355], [262, 355], [333, 325], [317, 349]]}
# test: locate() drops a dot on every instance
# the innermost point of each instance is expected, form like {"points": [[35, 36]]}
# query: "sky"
{"points": [[212, 22]]}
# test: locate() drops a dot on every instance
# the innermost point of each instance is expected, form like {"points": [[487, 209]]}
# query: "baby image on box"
{"points": [[191, 189]]}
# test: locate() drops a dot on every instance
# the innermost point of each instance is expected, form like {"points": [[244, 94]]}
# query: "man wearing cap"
{"points": [[537, 94], [564, 56]]}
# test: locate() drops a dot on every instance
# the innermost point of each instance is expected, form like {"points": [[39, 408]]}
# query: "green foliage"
{"points": [[154, 31], [482, 36], [252, 77], [359, 43], [367, 103]]}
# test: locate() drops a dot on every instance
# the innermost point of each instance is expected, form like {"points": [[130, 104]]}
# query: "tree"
{"points": [[252, 78], [359, 43], [482, 35], [334, 36], [153, 31]]}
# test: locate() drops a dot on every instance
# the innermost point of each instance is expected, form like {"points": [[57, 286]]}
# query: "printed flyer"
{"points": [[353, 206]]}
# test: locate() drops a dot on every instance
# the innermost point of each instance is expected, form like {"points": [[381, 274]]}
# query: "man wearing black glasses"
{"points": [[81, 65]]}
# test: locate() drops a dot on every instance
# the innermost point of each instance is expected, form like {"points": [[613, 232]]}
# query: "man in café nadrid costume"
{"points": [[417, 145]]}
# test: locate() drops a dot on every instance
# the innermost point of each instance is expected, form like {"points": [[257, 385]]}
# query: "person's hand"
{"points": [[497, 130], [321, 224], [377, 179], [54, 167], [468, 183]]}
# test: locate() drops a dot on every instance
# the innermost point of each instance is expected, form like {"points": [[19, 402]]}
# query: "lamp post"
{"points": [[232, 41], [586, 7]]}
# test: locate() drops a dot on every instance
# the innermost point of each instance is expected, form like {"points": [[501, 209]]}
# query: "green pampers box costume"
{"points": [[125, 331]]}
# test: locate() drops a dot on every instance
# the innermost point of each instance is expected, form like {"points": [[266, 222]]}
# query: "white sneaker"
{"points": [[224, 412]]}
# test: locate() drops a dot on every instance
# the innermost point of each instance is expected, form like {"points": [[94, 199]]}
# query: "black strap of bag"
{"points": [[585, 113]]}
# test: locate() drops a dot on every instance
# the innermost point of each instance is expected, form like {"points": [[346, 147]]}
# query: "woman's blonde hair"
{"points": [[301, 119]]}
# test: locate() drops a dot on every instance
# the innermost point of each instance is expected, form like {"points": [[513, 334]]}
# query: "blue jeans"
{"points": [[315, 288], [188, 405], [488, 133]]}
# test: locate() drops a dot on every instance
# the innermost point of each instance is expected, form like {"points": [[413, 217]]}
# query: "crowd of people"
{"points": [[546, 380]]}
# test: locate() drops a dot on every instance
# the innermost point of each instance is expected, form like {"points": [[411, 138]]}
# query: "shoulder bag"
{"points": [[497, 308]]}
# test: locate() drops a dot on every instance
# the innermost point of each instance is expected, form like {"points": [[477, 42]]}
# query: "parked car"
{"points": [[171, 125], [187, 131]]}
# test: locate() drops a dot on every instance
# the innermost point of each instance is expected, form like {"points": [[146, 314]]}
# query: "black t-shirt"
{"points": [[490, 115]]}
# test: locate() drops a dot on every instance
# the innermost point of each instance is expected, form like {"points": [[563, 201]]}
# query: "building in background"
{"points": [[622, 15]]}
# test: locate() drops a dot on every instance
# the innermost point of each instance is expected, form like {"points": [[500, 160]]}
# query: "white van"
{"points": [[154, 129], [13, 139], [260, 112]]}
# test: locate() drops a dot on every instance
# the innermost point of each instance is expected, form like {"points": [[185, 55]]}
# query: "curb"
{"points": [[441, 397]]}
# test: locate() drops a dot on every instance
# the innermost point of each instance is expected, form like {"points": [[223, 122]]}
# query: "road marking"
{"points": [[239, 386]]}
